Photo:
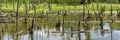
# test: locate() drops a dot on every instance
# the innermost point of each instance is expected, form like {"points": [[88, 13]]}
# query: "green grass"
{"points": [[55, 8]]}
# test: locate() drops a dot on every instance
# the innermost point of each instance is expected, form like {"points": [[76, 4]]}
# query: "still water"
{"points": [[42, 34]]}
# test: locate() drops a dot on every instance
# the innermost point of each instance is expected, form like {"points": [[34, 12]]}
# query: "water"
{"points": [[43, 35], [46, 30], [41, 26]]}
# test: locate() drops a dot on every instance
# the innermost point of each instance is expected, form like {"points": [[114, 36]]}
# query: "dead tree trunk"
{"points": [[111, 7], [0, 35], [101, 19], [1, 32], [26, 14], [75, 4], [32, 3], [98, 5], [40, 1], [34, 18], [111, 17], [118, 15], [37, 2], [63, 27], [49, 6], [31, 30], [64, 14], [13, 5], [29, 4], [33, 22], [6, 3], [58, 23], [6, 26], [18, 4], [0, 6], [83, 12], [79, 37], [111, 11]]}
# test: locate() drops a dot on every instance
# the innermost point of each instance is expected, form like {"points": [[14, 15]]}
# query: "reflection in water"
{"points": [[41, 35], [92, 35], [106, 26], [6, 37], [83, 36]]}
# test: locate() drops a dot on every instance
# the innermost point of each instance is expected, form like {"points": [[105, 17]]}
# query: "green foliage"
{"points": [[113, 1], [71, 2], [55, 8]]}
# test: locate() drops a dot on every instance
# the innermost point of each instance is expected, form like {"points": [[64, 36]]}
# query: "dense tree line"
{"points": [[65, 1]]}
